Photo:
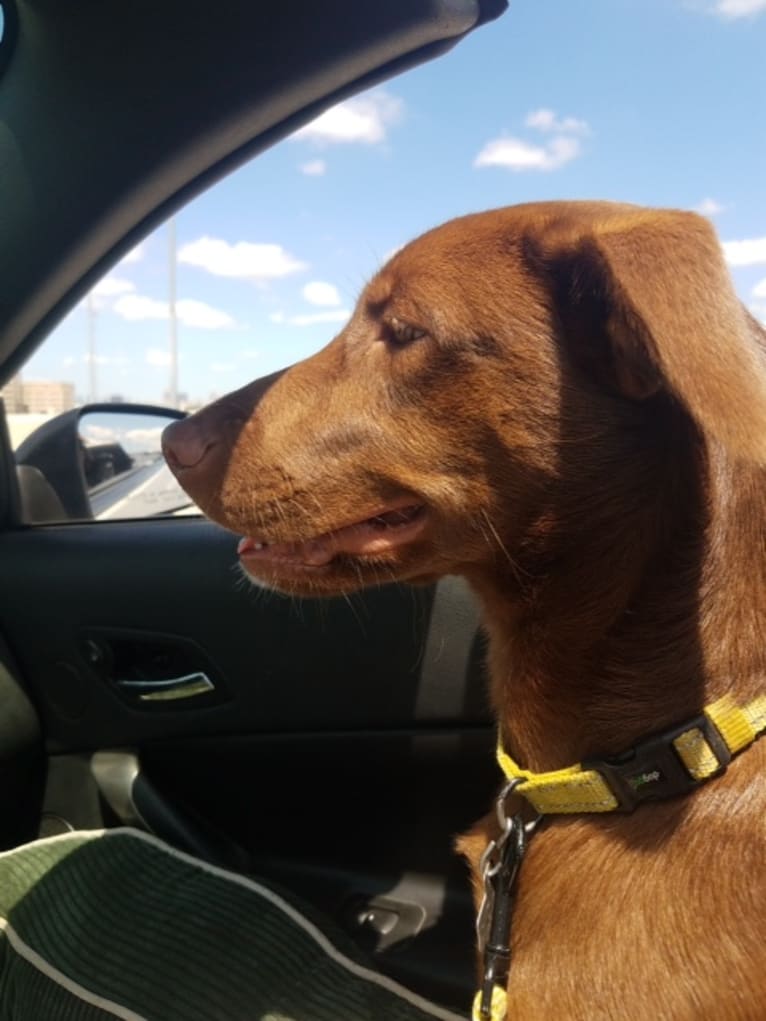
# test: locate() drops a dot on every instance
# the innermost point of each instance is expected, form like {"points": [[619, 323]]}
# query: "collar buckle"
{"points": [[653, 768]]}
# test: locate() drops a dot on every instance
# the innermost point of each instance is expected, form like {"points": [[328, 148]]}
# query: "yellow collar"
{"points": [[673, 762]]}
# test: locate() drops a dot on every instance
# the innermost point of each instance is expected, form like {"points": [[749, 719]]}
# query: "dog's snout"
{"points": [[197, 450], [185, 445]]}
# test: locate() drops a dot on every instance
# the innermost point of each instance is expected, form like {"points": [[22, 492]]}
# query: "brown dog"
{"points": [[566, 404]]}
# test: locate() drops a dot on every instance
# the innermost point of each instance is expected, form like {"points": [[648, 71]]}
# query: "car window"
{"points": [[263, 269]]}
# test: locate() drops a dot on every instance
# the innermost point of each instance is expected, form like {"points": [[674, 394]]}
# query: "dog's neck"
{"points": [[634, 624]]}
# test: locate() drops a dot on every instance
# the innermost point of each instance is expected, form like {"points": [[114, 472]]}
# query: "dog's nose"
{"points": [[185, 445]]}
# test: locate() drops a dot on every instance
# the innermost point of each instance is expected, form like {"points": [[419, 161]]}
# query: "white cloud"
{"points": [[339, 315], [118, 360], [244, 260], [709, 207], [561, 147], [516, 154], [110, 287], [546, 120], [143, 438], [132, 439], [202, 316], [314, 168], [335, 315], [759, 291], [222, 367], [317, 292], [364, 119], [750, 252], [739, 8], [91, 433], [137, 307], [157, 357], [197, 314]]}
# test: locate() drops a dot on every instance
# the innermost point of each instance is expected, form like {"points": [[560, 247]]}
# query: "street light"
{"points": [[173, 320]]}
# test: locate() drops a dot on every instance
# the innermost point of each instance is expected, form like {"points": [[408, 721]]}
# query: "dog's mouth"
{"points": [[376, 535]]}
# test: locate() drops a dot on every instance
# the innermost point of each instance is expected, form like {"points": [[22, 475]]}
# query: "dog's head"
{"points": [[501, 376]]}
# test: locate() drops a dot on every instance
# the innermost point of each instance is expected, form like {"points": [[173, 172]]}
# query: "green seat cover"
{"points": [[116, 924]]}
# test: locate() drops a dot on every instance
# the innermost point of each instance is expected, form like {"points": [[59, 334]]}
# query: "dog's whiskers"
{"points": [[516, 570], [347, 600]]}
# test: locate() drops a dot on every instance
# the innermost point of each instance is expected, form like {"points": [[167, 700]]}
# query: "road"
{"points": [[141, 493]]}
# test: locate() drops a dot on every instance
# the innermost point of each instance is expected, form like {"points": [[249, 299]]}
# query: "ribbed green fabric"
{"points": [[116, 924]]}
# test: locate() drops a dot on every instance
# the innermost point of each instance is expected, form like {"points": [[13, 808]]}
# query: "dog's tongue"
{"points": [[374, 535]]}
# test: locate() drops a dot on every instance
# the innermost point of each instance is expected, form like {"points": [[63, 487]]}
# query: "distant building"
{"points": [[12, 395], [48, 398], [37, 397]]}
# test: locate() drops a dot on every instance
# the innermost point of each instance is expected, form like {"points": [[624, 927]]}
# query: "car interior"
{"points": [[335, 748]]}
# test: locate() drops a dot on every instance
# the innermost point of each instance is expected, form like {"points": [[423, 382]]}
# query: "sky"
{"points": [[657, 102]]}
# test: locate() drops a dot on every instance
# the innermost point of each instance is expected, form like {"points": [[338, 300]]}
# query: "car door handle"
{"points": [[168, 689], [153, 672]]}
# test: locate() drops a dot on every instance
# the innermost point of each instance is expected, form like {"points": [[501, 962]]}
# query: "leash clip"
{"points": [[499, 869]]}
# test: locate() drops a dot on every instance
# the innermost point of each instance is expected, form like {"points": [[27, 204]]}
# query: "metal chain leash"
{"points": [[499, 869]]}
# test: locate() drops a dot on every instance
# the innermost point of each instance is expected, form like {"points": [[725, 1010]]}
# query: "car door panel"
{"points": [[345, 745], [282, 664]]}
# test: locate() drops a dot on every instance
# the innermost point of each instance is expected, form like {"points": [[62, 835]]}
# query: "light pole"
{"points": [[173, 321], [90, 308]]}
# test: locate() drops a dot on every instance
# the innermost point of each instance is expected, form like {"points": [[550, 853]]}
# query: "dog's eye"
{"points": [[404, 333]]}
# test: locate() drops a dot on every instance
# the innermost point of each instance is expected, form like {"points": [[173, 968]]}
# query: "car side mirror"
{"points": [[99, 461]]}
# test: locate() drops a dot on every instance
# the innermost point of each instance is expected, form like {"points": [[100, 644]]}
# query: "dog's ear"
{"points": [[648, 300]]}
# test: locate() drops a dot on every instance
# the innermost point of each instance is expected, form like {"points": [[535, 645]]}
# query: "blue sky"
{"points": [[659, 102]]}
